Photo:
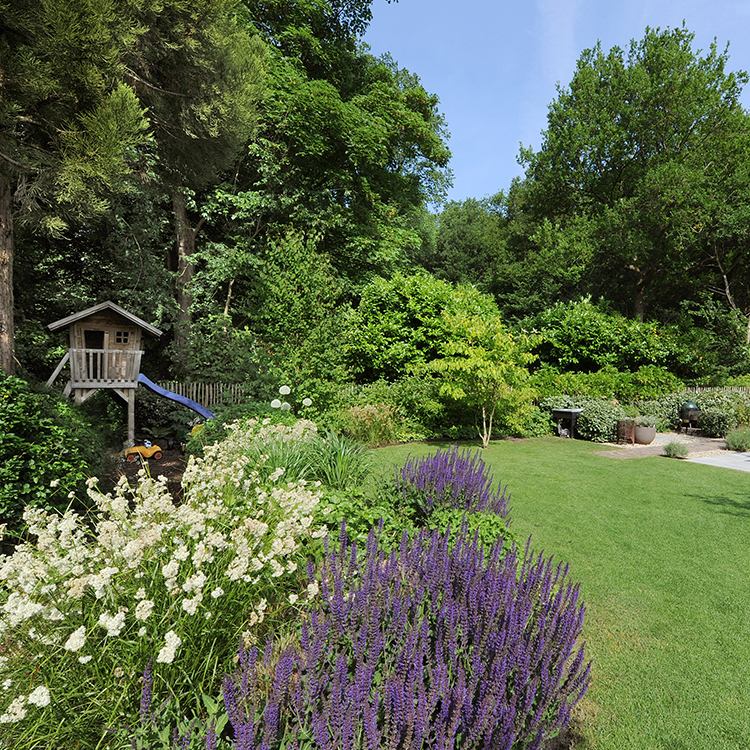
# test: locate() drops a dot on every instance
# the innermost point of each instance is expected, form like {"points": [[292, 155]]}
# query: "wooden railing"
{"points": [[104, 368]]}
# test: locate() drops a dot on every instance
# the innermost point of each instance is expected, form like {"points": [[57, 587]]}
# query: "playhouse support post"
{"points": [[131, 418]]}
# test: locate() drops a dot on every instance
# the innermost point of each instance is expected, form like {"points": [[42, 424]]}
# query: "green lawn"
{"points": [[661, 548]]}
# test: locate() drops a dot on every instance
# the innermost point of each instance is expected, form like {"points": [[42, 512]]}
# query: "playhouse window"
{"points": [[122, 337]]}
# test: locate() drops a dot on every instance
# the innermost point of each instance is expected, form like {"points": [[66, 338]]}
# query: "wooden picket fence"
{"points": [[207, 394], [727, 388]]}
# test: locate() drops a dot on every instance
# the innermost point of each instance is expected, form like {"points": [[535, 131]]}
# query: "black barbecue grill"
{"points": [[689, 416]]}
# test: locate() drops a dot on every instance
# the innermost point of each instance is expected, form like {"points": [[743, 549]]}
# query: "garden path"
{"points": [[697, 445]]}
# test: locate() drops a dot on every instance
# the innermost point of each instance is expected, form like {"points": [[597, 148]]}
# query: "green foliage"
{"points": [[351, 159], [583, 337], [648, 382], [47, 450], [739, 439], [676, 449], [199, 72], [716, 423], [371, 424], [340, 462], [470, 245], [538, 424], [401, 323], [644, 160], [360, 510], [598, 421], [66, 116], [489, 528]]}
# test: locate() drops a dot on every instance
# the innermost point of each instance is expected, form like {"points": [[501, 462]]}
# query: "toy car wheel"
{"points": [[157, 455], [131, 457]]}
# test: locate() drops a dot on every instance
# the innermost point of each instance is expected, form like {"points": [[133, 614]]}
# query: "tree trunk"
{"points": [[639, 300], [7, 333], [185, 269]]}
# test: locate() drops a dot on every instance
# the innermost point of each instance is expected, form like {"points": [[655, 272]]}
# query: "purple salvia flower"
{"points": [[147, 692], [421, 646]]}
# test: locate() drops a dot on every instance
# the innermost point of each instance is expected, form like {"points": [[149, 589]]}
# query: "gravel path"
{"points": [[698, 446]]}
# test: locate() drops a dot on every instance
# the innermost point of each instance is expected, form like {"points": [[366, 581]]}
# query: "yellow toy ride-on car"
{"points": [[145, 451]]}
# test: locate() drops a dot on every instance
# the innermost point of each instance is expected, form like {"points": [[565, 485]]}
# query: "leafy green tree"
{"points": [[70, 129], [354, 168], [198, 69], [471, 244], [483, 366], [637, 153]]}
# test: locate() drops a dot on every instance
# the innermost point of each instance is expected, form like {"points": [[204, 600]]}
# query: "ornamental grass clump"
{"points": [[84, 606], [451, 479], [437, 645]]}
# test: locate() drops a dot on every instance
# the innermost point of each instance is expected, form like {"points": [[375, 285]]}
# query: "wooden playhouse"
{"points": [[104, 351]]}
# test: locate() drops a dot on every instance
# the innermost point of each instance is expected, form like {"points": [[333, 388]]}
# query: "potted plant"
{"points": [[645, 430]]}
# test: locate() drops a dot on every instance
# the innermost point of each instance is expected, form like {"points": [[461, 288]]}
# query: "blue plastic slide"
{"points": [[184, 400]]}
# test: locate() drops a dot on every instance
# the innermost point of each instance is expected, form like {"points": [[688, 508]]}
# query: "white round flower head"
{"points": [[15, 712], [293, 598], [286, 406], [113, 623], [171, 643], [76, 640], [40, 696], [143, 609], [276, 404], [285, 390], [85, 659], [306, 402]]}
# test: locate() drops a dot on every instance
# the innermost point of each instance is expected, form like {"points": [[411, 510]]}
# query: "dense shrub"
{"points": [[382, 412], [598, 421], [47, 450], [538, 424], [584, 337], [716, 423], [450, 479], [739, 439], [439, 646], [648, 382], [400, 322]]}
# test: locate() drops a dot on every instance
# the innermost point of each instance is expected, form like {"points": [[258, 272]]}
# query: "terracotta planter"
{"points": [[644, 435]]}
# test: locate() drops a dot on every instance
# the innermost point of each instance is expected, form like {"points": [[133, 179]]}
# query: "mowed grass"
{"points": [[661, 549]]}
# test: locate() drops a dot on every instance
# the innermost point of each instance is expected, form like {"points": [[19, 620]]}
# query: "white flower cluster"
{"points": [[145, 554], [16, 711]]}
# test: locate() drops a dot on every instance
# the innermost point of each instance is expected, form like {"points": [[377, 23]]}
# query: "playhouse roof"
{"points": [[64, 322]]}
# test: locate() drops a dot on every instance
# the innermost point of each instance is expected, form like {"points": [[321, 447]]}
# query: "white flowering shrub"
{"points": [[85, 606]]}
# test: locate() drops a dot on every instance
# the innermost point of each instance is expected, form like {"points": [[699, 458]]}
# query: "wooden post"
{"points": [[131, 418]]}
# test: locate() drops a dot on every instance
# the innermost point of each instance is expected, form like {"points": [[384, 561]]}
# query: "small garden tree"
{"points": [[483, 365]]}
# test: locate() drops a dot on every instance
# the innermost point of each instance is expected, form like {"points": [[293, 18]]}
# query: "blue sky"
{"points": [[495, 65]]}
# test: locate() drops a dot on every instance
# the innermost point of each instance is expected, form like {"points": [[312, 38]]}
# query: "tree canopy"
{"points": [[638, 153]]}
